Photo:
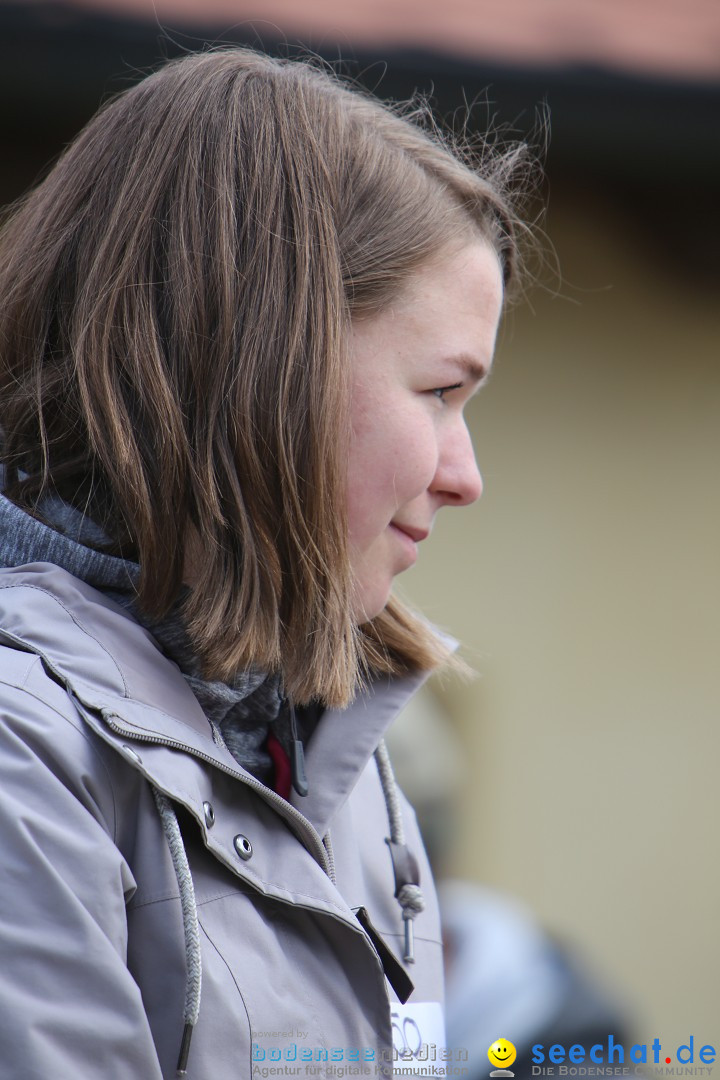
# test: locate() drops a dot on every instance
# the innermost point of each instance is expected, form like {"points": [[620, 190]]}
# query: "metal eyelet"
{"points": [[209, 814], [243, 847]]}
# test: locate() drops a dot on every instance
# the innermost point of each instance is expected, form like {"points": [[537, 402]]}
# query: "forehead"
{"points": [[465, 282], [448, 307]]}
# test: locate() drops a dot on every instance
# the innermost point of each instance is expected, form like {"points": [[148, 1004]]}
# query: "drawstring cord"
{"points": [[191, 929], [407, 889], [327, 844], [407, 874]]}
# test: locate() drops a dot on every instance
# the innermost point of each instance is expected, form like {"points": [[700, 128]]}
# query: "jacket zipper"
{"points": [[315, 841]]}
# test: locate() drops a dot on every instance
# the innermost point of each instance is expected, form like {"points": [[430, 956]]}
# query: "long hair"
{"points": [[175, 305]]}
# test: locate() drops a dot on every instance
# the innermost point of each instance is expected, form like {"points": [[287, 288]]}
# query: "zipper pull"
{"points": [[395, 973], [297, 758]]}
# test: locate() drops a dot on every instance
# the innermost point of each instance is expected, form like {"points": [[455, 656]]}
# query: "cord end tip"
{"points": [[184, 1050]]}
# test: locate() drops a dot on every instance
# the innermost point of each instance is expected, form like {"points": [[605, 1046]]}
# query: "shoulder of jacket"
{"points": [[89, 643], [98, 666], [41, 728]]}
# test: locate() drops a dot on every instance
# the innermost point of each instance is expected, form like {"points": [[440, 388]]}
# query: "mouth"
{"points": [[407, 541], [415, 534]]}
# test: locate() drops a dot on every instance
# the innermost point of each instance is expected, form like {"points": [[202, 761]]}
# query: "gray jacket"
{"points": [[102, 747]]}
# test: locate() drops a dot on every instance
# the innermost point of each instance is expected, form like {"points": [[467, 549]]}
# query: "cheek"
{"points": [[393, 458]]}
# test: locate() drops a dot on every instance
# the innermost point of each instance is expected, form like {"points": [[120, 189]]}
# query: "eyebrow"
{"points": [[472, 367]]}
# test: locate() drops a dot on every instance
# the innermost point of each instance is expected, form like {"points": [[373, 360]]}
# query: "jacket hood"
{"points": [[241, 710], [71, 544]]}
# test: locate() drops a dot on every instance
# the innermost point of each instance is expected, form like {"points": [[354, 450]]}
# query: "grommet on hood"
{"points": [[243, 847]]}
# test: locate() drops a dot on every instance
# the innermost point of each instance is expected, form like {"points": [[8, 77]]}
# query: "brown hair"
{"points": [[175, 306]]}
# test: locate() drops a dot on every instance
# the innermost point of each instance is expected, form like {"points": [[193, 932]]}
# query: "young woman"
{"points": [[239, 322]]}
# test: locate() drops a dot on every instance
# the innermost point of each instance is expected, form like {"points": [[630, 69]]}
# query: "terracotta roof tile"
{"points": [[674, 38]]}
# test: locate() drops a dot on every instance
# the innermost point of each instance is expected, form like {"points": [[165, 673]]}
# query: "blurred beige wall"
{"points": [[585, 587]]}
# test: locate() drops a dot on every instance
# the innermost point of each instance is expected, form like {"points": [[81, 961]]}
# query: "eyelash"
{"points": [[440, 391]]}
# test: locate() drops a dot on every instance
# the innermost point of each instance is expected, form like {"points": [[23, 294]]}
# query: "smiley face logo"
{"points": [[502, 1053]]}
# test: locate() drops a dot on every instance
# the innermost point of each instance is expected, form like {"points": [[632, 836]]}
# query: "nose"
{"points": [[457, 478]]}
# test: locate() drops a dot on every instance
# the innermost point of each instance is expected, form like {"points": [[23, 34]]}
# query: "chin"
{"points": [[368, 606]]}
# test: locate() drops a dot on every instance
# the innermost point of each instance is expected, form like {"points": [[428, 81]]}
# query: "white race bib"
{"points": [[418, 1033]]}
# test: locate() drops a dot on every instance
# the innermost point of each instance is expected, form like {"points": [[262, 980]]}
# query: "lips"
{"points": [[415, 534], [407, 543]]}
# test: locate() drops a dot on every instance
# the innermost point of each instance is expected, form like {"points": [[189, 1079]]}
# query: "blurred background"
{"points": [[578, 772]]}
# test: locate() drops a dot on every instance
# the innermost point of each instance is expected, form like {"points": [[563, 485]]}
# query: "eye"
{"points": [[441, 391]]}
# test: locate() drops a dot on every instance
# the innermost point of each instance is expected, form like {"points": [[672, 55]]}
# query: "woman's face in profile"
{"points": [[414, 368]]}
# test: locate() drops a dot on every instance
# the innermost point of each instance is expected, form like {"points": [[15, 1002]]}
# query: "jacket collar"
{"points": [[343, 743], [115, 668]]}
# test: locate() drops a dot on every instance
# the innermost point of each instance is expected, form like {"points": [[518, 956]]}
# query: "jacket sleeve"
{"points": [[69, 1007]]}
